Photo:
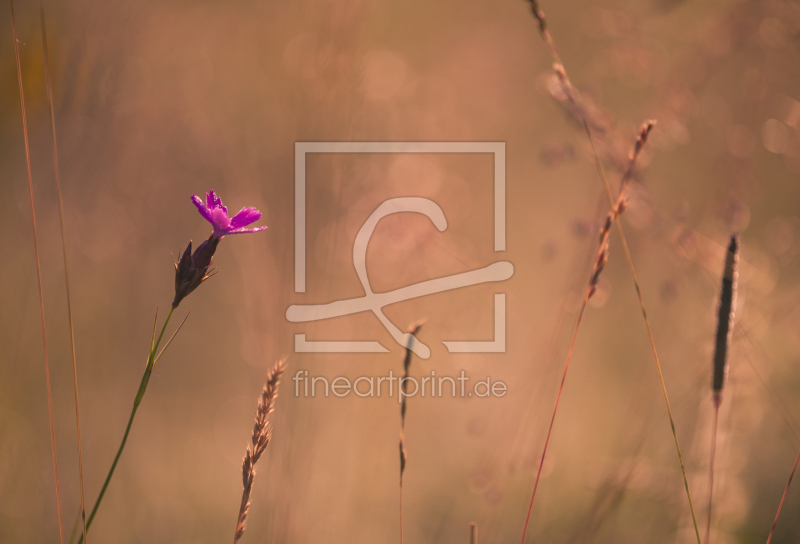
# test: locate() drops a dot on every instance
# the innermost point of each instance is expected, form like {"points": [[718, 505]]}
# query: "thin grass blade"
{"points": [[153, 337], [783, 498], [49, 85], [38, 274], [570, 93], [171, 338]]}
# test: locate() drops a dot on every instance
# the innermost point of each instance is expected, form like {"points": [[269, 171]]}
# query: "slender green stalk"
{"points": [[148, 370]]}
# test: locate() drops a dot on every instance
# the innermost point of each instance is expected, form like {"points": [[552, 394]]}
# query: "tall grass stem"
{"points": [[49, 85], [38, 275], [413, 330], [553, 417], [618, 224], [711, 469], [725, 320], [562, 74]]}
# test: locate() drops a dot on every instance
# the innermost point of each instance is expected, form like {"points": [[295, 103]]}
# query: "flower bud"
{"points": [[192, 268]]}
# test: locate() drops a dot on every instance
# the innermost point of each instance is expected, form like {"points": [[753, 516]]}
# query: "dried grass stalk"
{"points": [[413, 330], [783, 498], [599, 264], [49, 85], [262, 434], [571, 95], [38, 276], [727, 309]]}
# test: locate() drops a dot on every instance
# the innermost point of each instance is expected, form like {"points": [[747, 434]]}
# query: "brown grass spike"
{"points": [[413, 330], [569, 92], [650, 338], [262, 433], [38, 276], [727, 309], [49, 84]]}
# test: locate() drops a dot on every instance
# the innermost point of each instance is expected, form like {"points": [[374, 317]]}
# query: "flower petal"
{"points": [[220, 220], [245, 217], [212, 200], [201, 208], [245, 231]]}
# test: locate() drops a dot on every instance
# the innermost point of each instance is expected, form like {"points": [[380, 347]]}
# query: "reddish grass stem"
{"points": [[413, 330], [617, 207], [38, 275], [600, 261], [49, 85], [570, 94], [783, 498], [711, 468], [553, 417], [628, 257]]}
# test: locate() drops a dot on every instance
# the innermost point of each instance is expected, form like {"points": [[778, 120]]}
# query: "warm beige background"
{"points": [[159, 100]]}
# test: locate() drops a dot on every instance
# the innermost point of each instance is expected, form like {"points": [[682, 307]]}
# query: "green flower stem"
{"points": [[151, 360]]}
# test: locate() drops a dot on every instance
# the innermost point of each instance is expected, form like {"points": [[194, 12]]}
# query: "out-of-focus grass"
{"points": [[155, 101]]}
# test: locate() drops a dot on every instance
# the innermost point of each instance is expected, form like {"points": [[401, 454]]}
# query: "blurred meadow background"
{"points": [[155, 101]]}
